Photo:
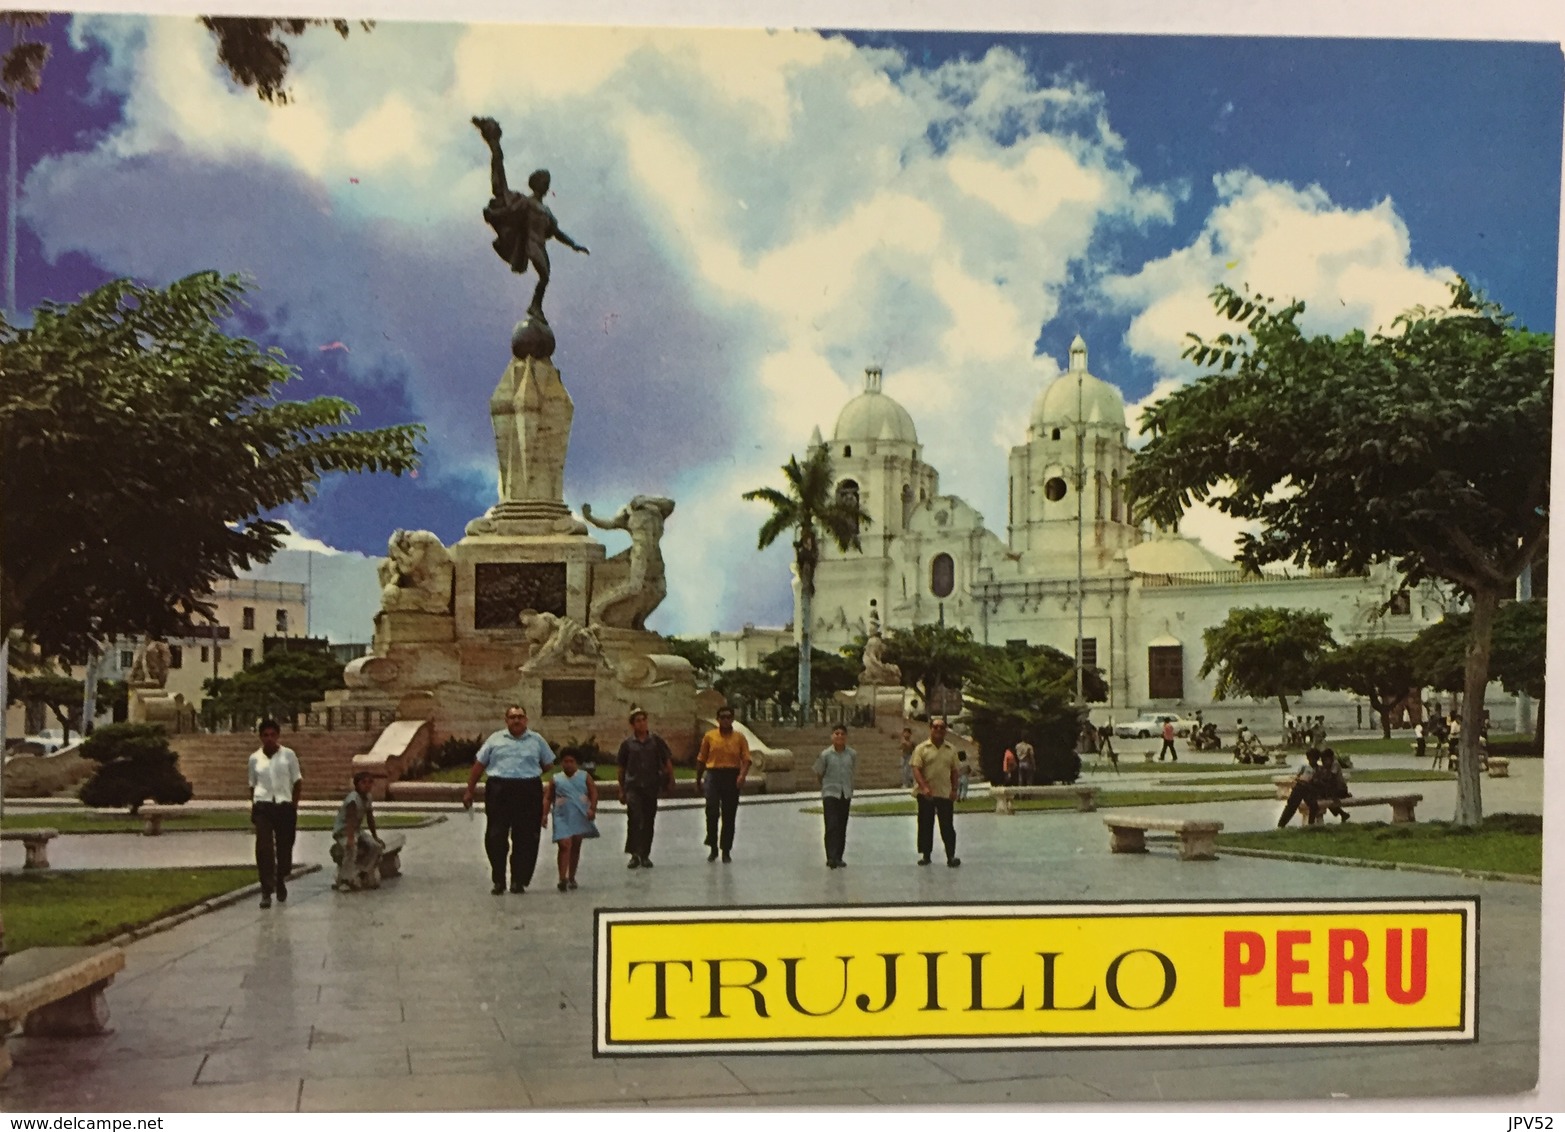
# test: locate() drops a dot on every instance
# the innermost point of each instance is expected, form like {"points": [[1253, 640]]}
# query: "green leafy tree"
{"points": [[1378, 668], [809, 510], [61, 694], [1427, 447], [135, 764], [932, 656], [746, 688], [702, 657], [255, 51], [1027, 693], [1266, 653], [829, 674], [1517, 657], [22, 65], [281, 684], [140, 445]]}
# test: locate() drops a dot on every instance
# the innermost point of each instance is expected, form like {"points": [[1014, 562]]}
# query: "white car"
{"points": [[1151, 726], [47, 741]]}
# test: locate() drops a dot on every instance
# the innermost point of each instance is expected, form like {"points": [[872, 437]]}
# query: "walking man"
{"points": [[513, 798], [1026, 763], [935, 772], [721, 767], [907, 758], [1168, 742], [646, 769], [275, 785], [834, 771]]}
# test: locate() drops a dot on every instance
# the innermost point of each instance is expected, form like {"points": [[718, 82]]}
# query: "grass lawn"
{"points": [[1388, 774], [1107, 799], [1505, 843], [1138, 766], [1400, 743], [61, 908], [605, 774], [197, 821]]}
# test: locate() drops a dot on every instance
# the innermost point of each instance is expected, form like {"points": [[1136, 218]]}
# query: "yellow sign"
{"points": [[1009, 976]]}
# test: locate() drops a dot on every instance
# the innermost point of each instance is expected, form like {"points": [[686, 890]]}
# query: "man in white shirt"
{"points": [[275, 785]]}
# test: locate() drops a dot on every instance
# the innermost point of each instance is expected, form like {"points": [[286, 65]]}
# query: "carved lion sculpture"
{"points": [[415, 575]]}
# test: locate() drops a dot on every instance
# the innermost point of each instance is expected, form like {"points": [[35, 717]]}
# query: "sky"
{"points": [[770, 212]]}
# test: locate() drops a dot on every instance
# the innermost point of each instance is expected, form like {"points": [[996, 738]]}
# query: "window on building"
{"points": [[847, 450], [907, 504], [127, 658], [1054, 489], [1098, 493], [1117, 499], [1166, 672], [206, 654], [848, 499], [282, 622], [248, 621], [1089, 652], [942, 575], [1401, 604], [248, 659], [176, 656], [1055, 435]]}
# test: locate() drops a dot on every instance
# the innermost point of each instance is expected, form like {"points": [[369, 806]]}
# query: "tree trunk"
{"points": [[806, 585], [1469, 783]]}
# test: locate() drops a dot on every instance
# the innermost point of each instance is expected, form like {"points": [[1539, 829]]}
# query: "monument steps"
{"points": [[216, 765], [879, 748]]}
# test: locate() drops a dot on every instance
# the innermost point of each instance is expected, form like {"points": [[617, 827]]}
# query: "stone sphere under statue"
{"points": [[532, 338]]}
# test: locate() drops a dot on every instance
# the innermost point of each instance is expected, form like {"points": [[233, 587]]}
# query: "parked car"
{"points": [[1151, 726], [47, 741]]}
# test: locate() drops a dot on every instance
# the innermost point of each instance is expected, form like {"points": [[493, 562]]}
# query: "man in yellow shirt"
{"points": [[721, 767], [934, 765]]}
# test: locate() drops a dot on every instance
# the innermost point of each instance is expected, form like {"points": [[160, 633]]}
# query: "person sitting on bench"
{"points": [[1304, 789], [355, 842], [1330, 787]]}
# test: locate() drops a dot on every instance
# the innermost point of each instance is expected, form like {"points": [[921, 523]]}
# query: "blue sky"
{"points": [[769, 213]]}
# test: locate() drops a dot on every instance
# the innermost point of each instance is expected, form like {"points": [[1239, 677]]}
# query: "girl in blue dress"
{"points": [[572, 797]]}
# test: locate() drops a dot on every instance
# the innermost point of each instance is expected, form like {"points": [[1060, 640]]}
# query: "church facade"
{"points": [[1146, 595]]}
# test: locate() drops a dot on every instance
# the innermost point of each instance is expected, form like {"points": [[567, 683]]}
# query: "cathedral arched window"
{"points": [[848, 500], [1098, 493], [1055, 435], [1116, 499], [907, 504], [942, 575], [847, 450]]}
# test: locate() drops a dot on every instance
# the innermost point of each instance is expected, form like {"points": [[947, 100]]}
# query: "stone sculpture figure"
{"points": [[523, 225], [149, 667], [416, 574], [556, 641], [877, 670], [629, 604]]}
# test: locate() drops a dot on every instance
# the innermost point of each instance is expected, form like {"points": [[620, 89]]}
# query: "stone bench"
{"points": [[1005, 796], [1402, 805], [1197, 839], [56, 992], [35, 841], [152, 818], [391, 856], [1499, 766]]}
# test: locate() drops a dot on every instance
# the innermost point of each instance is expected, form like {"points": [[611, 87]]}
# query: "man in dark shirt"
{"points": [[646, 769]]}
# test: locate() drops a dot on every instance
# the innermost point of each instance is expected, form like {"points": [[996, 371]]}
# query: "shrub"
{"points": [[456, 750], [135, 764]]}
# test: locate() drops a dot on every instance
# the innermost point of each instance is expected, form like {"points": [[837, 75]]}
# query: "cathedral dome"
{"points": [[1100, 401], [874, 416]]}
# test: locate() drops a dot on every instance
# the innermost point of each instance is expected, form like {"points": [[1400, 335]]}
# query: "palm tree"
{"points": [[810, 508]]}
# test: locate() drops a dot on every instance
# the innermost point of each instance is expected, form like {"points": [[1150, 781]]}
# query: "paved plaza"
{"points": [[433, 994]]}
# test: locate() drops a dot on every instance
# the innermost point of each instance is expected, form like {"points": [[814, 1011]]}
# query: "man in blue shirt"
{"points": [[513, 798]]}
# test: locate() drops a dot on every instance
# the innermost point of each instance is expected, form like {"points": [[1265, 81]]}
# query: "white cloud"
{"points": [[344, 587], [1352, 267], [768, 213]]}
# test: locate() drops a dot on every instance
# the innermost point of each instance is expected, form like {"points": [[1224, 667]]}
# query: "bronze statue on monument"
{"points": [[523, 227]]}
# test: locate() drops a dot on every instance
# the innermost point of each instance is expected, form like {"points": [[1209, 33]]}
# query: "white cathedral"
{"points": [[1146, 594]]}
